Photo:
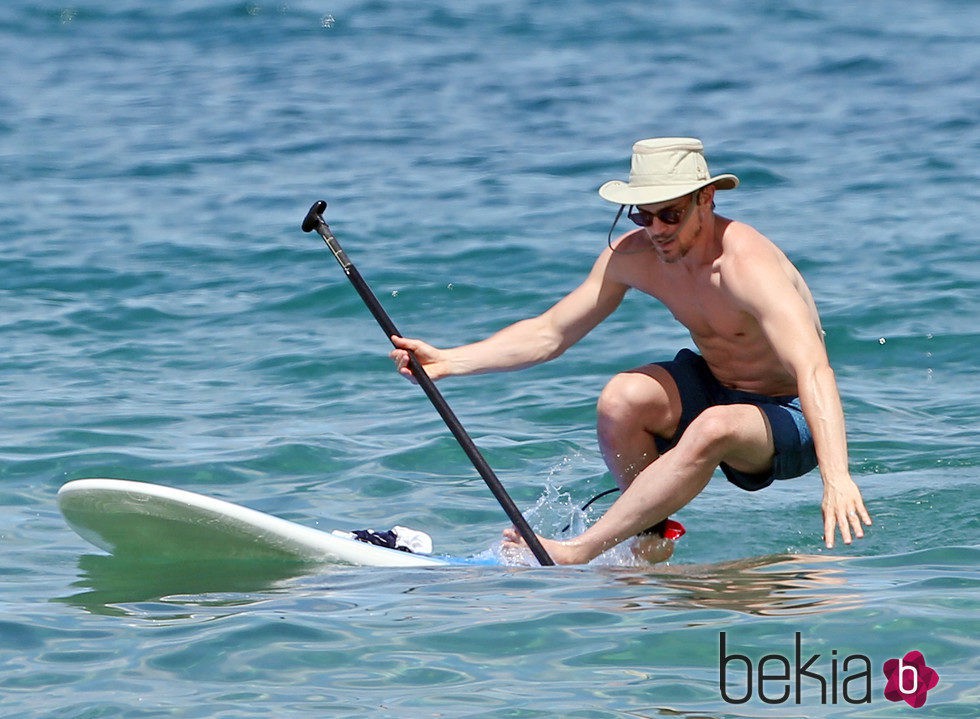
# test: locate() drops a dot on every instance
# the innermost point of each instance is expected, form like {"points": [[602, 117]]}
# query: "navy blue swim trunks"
{"points": [[795, 454]]}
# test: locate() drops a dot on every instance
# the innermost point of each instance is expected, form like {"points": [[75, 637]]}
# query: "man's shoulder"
{"points": [[751, 261], [627, 252], [742, 241], [736, 231], [631, 242]]}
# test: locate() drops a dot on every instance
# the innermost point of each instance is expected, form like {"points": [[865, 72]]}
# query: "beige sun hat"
{"points": [[662, 169]]}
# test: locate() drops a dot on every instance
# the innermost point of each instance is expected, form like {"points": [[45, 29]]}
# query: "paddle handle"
{"points": [[314, 221]]}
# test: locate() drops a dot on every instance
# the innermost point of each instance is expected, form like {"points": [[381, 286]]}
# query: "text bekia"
{"points": [[778, 678]]}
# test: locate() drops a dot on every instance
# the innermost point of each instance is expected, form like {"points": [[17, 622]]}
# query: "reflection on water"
{"points": [[111, 582], [774, 585]]}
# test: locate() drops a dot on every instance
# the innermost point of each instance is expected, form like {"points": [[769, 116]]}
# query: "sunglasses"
{"points": [[668, 215]]}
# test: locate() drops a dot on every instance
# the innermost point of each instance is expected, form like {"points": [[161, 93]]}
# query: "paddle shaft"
{"points": [[314, 221]]}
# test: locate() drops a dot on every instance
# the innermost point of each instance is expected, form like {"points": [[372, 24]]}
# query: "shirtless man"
{"points": [[760, 400]]}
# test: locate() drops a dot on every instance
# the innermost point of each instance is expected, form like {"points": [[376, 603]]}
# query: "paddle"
{"points": [[314, 221]]}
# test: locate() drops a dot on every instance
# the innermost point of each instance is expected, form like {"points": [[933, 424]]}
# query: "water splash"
{"points": [[555, 509], [557, 515]]}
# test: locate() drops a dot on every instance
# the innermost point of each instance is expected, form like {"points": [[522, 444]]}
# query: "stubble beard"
{"points": [[682, 250]]}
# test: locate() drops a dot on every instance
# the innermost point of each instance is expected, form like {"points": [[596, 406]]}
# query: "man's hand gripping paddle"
{"points": [[314, 222]]}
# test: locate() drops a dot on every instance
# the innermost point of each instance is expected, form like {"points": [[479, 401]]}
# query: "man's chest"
{"points": [[701, 303]]}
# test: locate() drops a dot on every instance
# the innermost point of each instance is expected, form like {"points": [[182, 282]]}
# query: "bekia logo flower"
{"points": [[909, 678]]}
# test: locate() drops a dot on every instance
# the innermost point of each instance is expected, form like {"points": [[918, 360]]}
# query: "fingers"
{"points": [[830, 524], [431, 360], [855, 522], [404, 343], [400, 358], [863, 514], [835, 520], [845, 528], [400, 355], [855, 517], [848, 519], [402, 348]]}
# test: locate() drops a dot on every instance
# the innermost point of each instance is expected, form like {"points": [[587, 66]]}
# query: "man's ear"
{"points": [[707, 196]]}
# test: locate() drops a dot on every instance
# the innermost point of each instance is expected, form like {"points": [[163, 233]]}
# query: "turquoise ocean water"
{"points": [[162, 318]]}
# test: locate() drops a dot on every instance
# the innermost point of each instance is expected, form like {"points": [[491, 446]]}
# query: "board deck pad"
{"points": [[151, 521]]}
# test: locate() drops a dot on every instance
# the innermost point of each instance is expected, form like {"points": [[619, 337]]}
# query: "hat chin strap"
{"points": [[619, 213]]}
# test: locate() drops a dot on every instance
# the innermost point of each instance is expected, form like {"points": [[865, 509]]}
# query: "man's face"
{"points": [[669, 225]]}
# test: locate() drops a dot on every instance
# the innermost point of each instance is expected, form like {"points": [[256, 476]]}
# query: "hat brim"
{"points": [[623, 194]]}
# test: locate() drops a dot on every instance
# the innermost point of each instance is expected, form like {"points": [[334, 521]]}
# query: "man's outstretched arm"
{"points": [[766, 291], [527, 342]]}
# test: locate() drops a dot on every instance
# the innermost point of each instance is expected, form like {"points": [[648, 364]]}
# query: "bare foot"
{"points": [[648, 548], [566, 552]]}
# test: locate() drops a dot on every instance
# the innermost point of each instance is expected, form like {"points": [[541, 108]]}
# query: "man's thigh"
{"points": [[656, 399], [745, 434]]}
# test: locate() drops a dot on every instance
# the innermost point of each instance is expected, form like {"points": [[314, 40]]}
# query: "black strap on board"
{"points": [[314, 222]]}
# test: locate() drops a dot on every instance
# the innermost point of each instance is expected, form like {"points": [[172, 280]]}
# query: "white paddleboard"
{"points": [[150, 521]]}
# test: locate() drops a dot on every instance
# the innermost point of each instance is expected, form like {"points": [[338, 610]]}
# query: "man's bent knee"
{"points": [[640, 398]]}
